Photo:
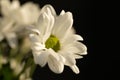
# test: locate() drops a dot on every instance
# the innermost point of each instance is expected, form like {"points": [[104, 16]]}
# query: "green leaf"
{"points": [[7, 73]]}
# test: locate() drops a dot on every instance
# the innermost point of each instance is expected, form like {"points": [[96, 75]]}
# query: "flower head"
{"points": [[54, 41]]}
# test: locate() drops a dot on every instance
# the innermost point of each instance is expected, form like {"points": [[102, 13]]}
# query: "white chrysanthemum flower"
{"points": [[15, 18], [54, 41]]}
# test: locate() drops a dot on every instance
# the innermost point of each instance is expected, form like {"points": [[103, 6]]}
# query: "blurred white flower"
{"points": [[7, 31], [25, 14], [15, 18], [54, 41], [16, 66], [8, 7], [25, 75]]}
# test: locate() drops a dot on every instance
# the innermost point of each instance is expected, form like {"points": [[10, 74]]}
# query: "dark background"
{"points": [[97, 65]]}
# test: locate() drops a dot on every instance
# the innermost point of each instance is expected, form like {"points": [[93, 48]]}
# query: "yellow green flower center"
{"points": [[52, 42]]}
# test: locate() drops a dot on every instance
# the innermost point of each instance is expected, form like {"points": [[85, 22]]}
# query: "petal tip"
{"points": [[75, 69]]}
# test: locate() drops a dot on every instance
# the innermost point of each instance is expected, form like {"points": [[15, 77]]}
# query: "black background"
{"points": [[94, 66]]}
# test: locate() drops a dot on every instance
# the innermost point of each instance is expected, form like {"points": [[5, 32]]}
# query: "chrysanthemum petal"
{"points": [[78, 56], [55, 65], [41, 58], [71, 37], [75, 69], [62, 25], [70, 49], [50, 8], [62, 12], [82, 48], [33, 30], [78, 37], [37, 48], [45, 23], [53, 54], [36, 44], [34, 38], [69, 58]]}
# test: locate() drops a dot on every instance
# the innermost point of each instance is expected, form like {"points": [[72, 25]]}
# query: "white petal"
{"points": [[57, 56], [41, 58], [33, 30], [71, 37], [37, 48], [50, 24], [70, 60], [12, 39], [78, 37], [35, 38], [82, 48], [15, 4], [71, 49], [62, 12], [55, 65], [51, 9], [45, 24], [62, 25], [37, 43], [54, 54], [61, 58], [78, 56], [75, 69]]}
